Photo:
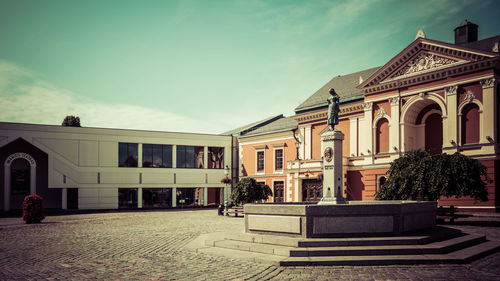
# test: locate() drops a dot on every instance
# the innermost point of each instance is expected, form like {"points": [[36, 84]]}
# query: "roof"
{"points": [[252, 126], [345, 87], [279, 125], [484, 44]]}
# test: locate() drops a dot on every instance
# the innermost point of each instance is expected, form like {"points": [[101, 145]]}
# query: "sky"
{"points": [[201, 66]]}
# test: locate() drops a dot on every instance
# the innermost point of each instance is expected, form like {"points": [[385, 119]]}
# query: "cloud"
{"points": [[27, 98]]}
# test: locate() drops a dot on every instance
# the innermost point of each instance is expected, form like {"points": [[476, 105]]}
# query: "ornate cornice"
{"points": [[394, 101], [488, 83], [367, 106], [452, 90], [431, 76], [423, 46], [344, 110]]}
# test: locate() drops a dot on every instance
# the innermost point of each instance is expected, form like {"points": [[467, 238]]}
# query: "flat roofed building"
{"points": [[97, 168]]}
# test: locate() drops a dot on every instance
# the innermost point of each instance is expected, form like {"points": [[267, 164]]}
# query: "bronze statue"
{"points": [[333, 109]]}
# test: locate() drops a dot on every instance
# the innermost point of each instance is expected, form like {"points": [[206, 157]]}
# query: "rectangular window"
{"points": [[127, 198], [157, 155], [260, 161], [127, 154], [278, 159], [216, 157], [167, 156], [190, 157], [156, 197]]}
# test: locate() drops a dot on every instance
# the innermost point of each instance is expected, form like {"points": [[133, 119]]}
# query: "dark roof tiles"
{"points": [[345, 87]]}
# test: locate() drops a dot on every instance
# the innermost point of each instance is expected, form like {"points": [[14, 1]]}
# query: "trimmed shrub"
{"points": [[33, 210]]}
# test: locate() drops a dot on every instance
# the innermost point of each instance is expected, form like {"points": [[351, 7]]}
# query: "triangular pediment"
{"points": [[424, 56], [423, 62]]}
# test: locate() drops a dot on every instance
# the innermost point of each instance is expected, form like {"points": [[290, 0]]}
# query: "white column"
{"points": [[6, 186], [489, 103], [298, 191], [139, 155], [32, 179], [64, 199], [450, 124], [205, 196], [366, 126], [353, 130], [174, 156], [205, 157], [394, 132], [307, 142], [174, 197], [139, 197]]}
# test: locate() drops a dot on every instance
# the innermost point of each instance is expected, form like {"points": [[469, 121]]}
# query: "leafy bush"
{"points": [[418, 174], [33, 210], [249, 190]]}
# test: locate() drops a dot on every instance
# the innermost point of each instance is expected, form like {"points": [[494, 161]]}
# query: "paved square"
{"points": [[150, 246]]}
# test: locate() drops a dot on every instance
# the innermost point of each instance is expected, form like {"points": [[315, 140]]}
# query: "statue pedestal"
{"points": [[332, 168]]}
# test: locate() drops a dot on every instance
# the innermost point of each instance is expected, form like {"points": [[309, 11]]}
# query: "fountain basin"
{"points": [[356, 218]]}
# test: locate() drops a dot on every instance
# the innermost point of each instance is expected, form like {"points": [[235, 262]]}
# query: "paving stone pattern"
{"points": [[149, 246]]}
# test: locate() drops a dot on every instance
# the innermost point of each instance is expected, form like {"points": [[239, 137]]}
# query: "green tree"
{"points": [[418, 174], [71, 121], [249, 190]]}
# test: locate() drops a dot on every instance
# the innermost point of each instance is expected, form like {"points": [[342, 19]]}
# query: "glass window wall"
{"points": [[156, 197], [156, 156], [127, 198], [190, 157], [127, 154], [216, 157]]}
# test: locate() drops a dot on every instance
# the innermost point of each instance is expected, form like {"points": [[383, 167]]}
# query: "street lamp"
{"points": [[226, 173]]}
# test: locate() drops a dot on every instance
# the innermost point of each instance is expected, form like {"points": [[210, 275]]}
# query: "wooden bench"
{"points": [[450, 213], [234, 211]]}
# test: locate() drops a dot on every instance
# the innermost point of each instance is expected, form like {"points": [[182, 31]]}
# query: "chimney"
{"points": [[465, 33]]}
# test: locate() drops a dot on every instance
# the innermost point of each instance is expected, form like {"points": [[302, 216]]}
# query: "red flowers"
{"points": [[33, 210]]}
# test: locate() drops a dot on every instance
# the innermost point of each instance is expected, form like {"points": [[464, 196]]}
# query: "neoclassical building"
{"points": [[96, 168], [433, 95]]}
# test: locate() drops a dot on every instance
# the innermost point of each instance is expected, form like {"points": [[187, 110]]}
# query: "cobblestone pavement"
{"points": [[149, 246]]}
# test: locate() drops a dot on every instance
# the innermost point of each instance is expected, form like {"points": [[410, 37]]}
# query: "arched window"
{"points": [[381, 179], [470, 124], [382, 136]]}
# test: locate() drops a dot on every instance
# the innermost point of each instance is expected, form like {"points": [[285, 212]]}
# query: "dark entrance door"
{"points": [[312, 190], [279, 190]]}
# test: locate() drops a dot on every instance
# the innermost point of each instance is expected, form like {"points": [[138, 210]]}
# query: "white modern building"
{"points": [[96, 168]]}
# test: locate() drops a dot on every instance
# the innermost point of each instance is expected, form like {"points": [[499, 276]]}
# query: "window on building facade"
{"points": [[127, 154], [260, 161], [190, 157], [127, 198], [382, 136], [470, 124], [157, 155], [279, 190], [216, 157], [156, 197], [381, 179], [278, 159]]}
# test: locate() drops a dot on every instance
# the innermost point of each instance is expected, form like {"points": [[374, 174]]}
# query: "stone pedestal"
{"points": [[332, 167]]}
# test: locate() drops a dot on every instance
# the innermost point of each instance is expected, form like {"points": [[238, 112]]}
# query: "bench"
{"points": [[234, 211], [450, 213]]}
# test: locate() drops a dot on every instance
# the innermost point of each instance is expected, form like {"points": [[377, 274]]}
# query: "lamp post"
{"points": [[226, 173]]}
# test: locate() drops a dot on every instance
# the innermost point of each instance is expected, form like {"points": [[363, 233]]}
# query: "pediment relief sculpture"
{"points": [[424, 61]]}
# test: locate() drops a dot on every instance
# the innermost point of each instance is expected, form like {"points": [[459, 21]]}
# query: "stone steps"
{"points": [[463, 256], [440, 246]]}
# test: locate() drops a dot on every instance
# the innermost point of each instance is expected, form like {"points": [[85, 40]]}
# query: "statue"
{"points": [[333, 109]]}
